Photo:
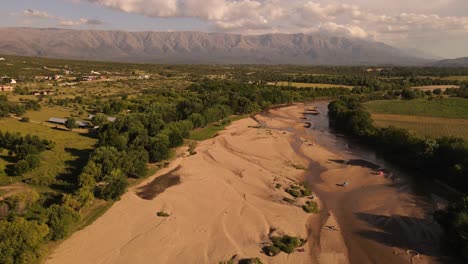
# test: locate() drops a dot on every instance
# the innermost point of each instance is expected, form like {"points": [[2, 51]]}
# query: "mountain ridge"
{"points": [[200, 47], [457, 62]]}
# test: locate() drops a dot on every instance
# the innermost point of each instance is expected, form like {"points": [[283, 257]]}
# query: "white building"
{"points": [[13, 81]]}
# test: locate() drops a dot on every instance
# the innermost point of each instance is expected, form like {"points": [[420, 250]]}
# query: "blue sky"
{"points": [[13, 16], [438, 27]]}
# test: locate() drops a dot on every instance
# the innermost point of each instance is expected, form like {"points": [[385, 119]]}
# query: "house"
{"points": [[62, 121], [55, 120], [13, 81], [95, 73], [46, 92], [6, 88], [2, 59]]}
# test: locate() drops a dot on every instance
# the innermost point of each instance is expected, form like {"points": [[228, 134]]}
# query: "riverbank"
{"points": [[230, 200]]}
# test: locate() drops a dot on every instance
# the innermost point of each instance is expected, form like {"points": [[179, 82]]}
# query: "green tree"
{"points": [[20, 240], [71, 123], [113, 186], [60, 219]]}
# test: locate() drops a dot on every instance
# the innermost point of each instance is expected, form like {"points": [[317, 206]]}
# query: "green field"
{"points": [[212, 130], [435, 118], [447, 107], [310, 85], [425, 126], [63, 161]]}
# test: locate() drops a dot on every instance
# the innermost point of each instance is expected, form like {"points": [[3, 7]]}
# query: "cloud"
{"points": [[80, 22], [37, 14], [361, 19], [31, 13]]}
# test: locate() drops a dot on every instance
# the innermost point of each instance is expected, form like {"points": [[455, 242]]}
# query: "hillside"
{"points": [[196, 47], [459, 62]]}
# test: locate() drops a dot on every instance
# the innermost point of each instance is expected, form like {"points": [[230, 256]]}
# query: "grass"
{"points": [[447, 107], [47, 112], [425, 126], [63, 162], [212, 130], [310, 85]]}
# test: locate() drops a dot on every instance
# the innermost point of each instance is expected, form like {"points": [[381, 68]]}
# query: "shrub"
{"points": [[25, 119], [271, 250], [294, 193], [60, 220], [250, 261], [162, 214], [287, 243], [278, 186], [306, 191], [288, 200], [310, 207]]}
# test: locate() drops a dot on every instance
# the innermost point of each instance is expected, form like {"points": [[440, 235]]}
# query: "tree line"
{"points": [[24, 150]]}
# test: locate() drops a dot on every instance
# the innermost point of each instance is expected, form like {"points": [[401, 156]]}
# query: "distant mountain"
{"points": [[197, 47], [459, 62]]}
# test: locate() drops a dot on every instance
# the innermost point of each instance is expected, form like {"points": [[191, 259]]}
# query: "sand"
{"points": [[227, 205]]}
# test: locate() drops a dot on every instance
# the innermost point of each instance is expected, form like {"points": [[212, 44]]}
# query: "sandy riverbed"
{"points": [[226, 205]]}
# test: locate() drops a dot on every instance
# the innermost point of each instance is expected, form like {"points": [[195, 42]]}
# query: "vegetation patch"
{"points": [[298, 191], [311, 207], [446, 107], [162, 214], [286, 243]]}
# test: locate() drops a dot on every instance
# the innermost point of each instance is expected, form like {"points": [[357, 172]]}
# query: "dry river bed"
{"points": [[227, 200]]}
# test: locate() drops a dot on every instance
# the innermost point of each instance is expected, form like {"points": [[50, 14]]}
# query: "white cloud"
{"points": [[354, 18], [37, 14], [79, 22], [31, 13]]}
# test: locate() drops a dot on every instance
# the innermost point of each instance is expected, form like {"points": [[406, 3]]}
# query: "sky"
{"points": [[436, 27]]}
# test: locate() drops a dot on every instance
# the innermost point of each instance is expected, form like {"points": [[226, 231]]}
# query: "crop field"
{"points": [[433, 87], [447, 107], [425, 126], [65, 160], [310, 85]]}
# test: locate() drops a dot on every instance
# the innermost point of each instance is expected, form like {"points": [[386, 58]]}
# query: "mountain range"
{"points": [[202, 48], [459, 62]]}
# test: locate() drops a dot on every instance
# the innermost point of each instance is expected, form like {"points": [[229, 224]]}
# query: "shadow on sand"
{"points": [[412, 234]]}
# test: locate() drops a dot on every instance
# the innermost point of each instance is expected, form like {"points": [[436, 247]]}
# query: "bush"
{"points": [[310, 207], [250, 261], [288, 200], [25, 119], [162, 214], [294, 193], [306, 191], [60, 220], [271, 250], [287, 243]]}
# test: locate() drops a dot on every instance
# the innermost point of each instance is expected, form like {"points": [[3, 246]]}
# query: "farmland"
{"points": [[432, 118], [447, 107], [309, 85], [425, 126]]}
